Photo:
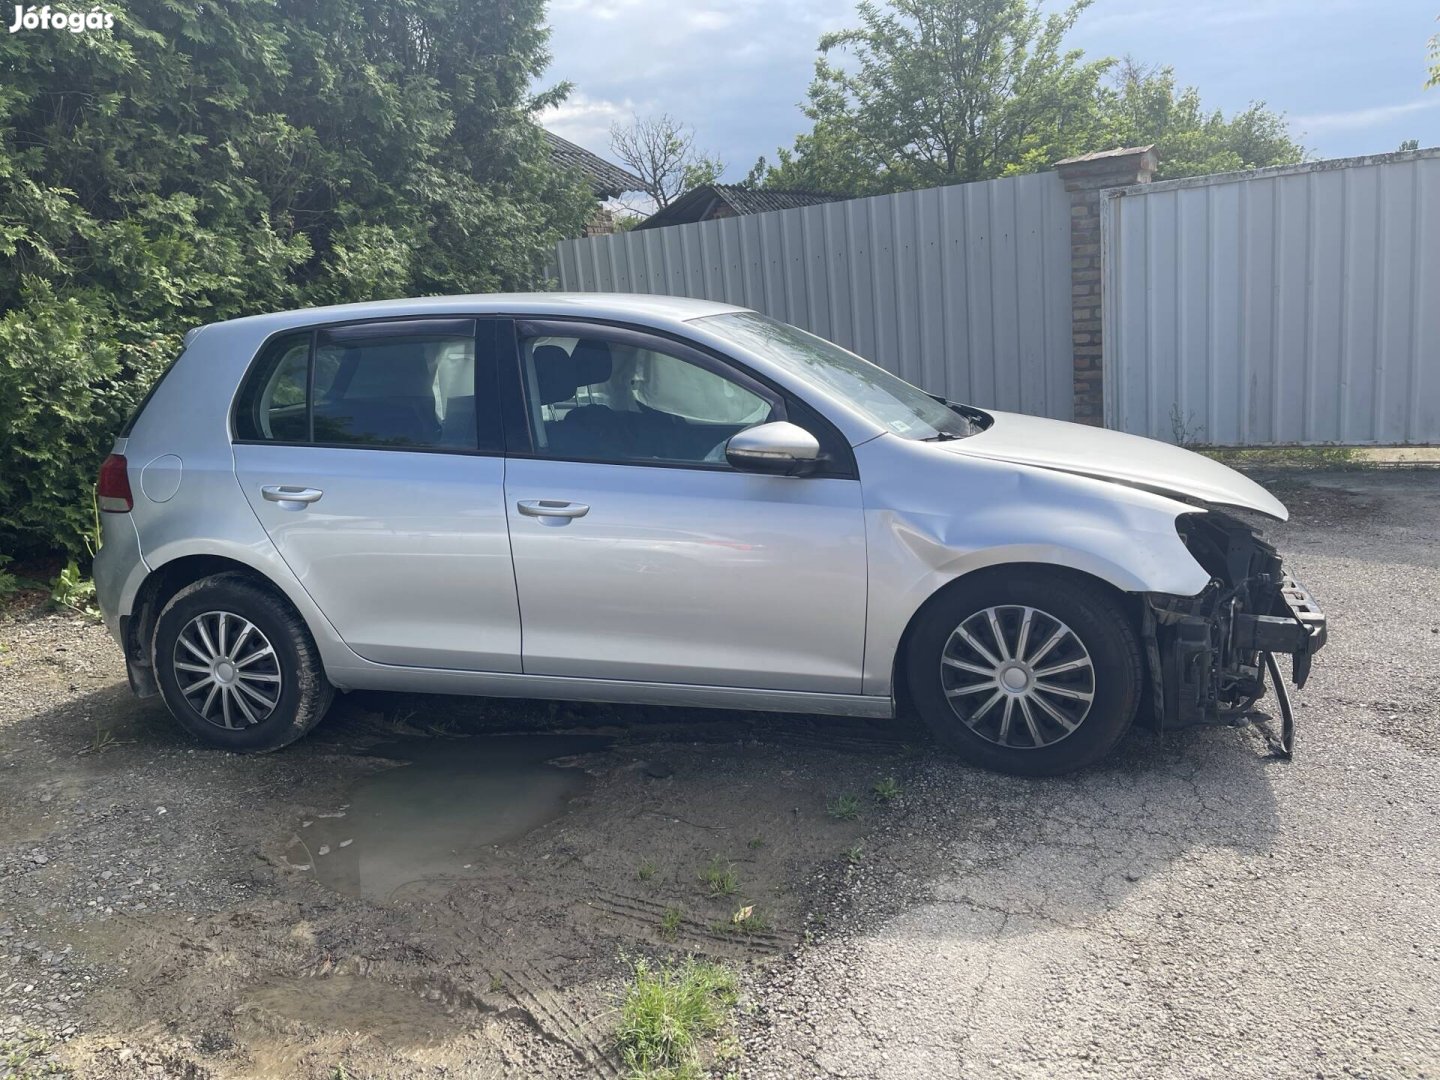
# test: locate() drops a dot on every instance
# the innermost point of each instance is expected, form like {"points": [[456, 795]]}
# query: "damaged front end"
{"points": [[1208, 654]]}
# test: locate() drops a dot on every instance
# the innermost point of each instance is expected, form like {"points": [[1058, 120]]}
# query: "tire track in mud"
{"points": [[647, 915]]}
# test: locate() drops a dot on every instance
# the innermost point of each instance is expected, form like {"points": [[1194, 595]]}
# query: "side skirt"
{"points": [[557, 688]]}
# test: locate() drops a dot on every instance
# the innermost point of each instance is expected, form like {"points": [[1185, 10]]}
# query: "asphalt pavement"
{"points": [[1194, 908]]}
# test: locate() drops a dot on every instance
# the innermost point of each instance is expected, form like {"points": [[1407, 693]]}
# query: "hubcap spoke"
{"points": [[977, 688], [969, 639], [1055, 714], [963, 665], [1063, 691], [1030, 721], [200, 684], [1005, 721], [1051, 642], [195, 650], [994, 618], [1023, 637], [1071, 665]]}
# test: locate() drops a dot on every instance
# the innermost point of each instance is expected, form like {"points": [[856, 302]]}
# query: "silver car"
{"points": [[668, 501]]}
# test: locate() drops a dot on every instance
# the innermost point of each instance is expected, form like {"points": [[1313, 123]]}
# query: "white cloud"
{"points": [[1361, 119], [587, 121]]}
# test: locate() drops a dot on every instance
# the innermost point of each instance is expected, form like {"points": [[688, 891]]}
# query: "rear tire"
{"points": [[1035, 673], [237, 665]]}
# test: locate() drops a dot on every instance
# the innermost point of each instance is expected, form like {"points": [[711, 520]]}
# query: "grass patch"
{"points": [[855, 854], [720, 878], [26, 1057], [844, 807], [756, 843], [666, 1012], [886, 789], [748, 920], [670, 923], [647, 870], [1289, 457]]}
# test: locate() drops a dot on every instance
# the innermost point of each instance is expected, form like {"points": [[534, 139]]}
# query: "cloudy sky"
{"points": [[1348, 73]]}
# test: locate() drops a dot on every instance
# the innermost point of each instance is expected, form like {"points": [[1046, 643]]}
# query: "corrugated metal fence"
{"points": [[1296, 305], [964, 290]]}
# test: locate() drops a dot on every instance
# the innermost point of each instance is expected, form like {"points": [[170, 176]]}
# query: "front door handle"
{"points": [[557, 510], [291, 497]]}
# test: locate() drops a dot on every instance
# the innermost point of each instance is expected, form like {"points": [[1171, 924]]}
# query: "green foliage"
{"points": [[720, 878], [949, 91], [1434, 50], [886, 789], [1143, 105], [940, 93], [666, 1011], [9, 583], [670, 923], [73, 592], [844, 807], [205, 161]]}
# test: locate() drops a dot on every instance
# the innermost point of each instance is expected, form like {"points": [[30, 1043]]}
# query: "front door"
{"points": [[641, 555], [371, 453]]}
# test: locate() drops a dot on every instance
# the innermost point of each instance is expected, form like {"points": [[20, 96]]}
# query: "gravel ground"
{"points": [[1192, 908]]}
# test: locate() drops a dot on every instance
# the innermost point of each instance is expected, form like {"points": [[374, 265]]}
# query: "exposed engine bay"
{"points": [[1208, 654]]}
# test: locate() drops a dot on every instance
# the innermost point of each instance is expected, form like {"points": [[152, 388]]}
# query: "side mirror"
{"points": [[779, 448]]}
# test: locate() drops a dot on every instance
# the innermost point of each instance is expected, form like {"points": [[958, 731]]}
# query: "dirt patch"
{"points": [[416, 887]]}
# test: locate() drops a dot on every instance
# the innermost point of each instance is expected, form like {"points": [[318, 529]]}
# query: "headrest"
{"points": [[559, 374], [592, 362], [554, 374]]}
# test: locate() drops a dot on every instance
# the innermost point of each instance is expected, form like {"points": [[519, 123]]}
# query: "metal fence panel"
{"points": [[964, 290], [1286, 306]]}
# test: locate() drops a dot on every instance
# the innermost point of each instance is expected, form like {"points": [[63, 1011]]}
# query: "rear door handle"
{"points": [[297, 497], [551, 508]]}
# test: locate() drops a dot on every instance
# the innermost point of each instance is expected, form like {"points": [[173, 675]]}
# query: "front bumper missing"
{"points": [[1209, 655]]}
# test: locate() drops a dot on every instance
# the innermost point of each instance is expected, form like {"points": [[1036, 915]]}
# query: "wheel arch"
{"points": [[1129, 602], [168, 578]]}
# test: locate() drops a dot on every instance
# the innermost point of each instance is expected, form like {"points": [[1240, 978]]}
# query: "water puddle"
{"points": [[435, 818]]}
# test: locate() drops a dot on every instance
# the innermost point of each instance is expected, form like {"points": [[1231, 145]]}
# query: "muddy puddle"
{"points": [[435, 819], [351, 1003]]}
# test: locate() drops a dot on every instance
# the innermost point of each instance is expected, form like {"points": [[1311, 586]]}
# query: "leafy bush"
{"points": [[201, 162]]}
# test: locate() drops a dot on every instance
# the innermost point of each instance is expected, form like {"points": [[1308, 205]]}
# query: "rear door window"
{"points": [[396, 384]]}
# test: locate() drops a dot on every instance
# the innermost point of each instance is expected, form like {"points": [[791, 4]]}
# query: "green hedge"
{"points": [[209, 160]]}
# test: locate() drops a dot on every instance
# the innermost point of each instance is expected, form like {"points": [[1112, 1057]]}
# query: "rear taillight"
{"points": [[112, 492]]}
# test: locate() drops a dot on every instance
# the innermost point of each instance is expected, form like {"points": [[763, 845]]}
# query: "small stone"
{"points": [[324, 850]]}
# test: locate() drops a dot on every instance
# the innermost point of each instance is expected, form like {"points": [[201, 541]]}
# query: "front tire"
{"points": [[1033, 673], [237, 665]]}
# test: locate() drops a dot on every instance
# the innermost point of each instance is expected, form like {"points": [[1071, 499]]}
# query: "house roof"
{"points": [[607, 180], [699, 203]]}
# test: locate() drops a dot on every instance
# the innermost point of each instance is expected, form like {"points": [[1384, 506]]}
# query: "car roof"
{"points": [[652, 310]]}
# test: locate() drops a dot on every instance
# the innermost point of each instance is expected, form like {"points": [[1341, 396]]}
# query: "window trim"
{"points": [[519, 436], [487, 356]]}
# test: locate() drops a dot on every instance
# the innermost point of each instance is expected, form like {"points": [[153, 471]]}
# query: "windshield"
{"points": [[885, 398]]}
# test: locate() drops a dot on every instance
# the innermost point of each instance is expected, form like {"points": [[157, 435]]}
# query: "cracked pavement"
{"points": [[1193, 907]]}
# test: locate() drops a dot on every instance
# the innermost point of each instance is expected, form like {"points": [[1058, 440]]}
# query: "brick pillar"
{"points": [[1084, 178]]}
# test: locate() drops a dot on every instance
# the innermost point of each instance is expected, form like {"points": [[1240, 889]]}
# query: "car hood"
{"points": [[1115, 456]]}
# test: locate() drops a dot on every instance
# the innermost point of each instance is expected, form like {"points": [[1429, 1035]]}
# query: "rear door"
{"points": [[641, 554], [372, 454]]}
